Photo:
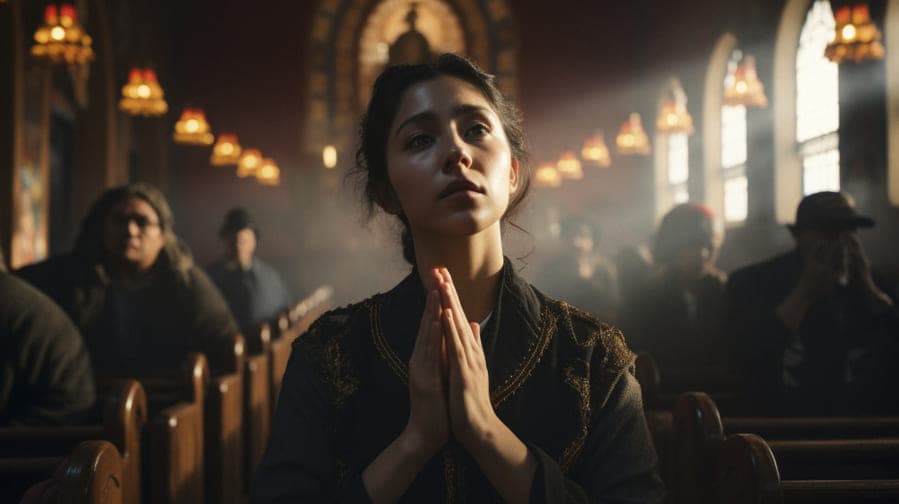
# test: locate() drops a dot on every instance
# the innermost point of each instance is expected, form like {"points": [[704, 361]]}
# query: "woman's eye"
{"points": [[419, 141], [477, 131]]}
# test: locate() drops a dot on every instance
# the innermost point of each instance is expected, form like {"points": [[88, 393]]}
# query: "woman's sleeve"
{"points": [[618, 463], [299, 464]]}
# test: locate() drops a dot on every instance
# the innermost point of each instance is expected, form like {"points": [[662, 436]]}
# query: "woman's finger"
{"points": [[457, 355]]}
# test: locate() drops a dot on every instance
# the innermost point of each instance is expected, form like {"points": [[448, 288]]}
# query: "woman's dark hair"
{"points": [[174, 258], [685, 225], [371, 157]]}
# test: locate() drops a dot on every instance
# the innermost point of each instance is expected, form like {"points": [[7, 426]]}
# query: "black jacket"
{"points": [[562, 381]]}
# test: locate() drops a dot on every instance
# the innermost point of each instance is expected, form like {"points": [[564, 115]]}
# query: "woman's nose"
{"points": [[457, 153]]}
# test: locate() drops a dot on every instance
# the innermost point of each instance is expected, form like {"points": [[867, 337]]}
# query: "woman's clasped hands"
{"points": [[448, 380]]}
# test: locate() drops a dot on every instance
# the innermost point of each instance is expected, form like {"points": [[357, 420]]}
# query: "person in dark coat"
{"points": [[45, 371], [132, 289], [813, 333], [253, 289], [463, 383], [678, 315]]}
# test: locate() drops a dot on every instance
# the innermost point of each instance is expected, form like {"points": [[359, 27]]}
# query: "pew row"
{"points": [[91, 474], [124, 417], [748, 473]]}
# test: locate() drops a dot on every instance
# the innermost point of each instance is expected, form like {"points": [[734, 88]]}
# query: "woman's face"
{"points": [[133, 234], [448, 159]]}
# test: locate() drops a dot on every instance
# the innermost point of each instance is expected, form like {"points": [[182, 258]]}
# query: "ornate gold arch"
{"points": [[332, 111]]}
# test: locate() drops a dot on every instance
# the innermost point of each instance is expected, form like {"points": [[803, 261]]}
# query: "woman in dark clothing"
{"points": [[132, 289], [462, 383]]}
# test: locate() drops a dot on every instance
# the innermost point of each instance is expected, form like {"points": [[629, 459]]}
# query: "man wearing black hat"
{"points": [[813, 332], [252, 288]]}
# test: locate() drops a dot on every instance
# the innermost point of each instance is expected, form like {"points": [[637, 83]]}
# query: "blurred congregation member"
{"points": [[45, 371], [814, 332], [578, 275], [678, 314], [253, 289], [132, 288]]}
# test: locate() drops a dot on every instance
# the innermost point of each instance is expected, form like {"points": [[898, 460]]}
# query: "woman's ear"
{"points": [[513, 176]]}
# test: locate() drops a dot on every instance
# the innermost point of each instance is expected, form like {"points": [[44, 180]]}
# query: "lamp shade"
{"points": [[60, 38], [249, 162], [596, 151], [268, 173], [743, 87], [142, 95], [631, 139], [192, 128], [673, 116], [226, 150], [569, 166], [856, 38], [548, 176]]}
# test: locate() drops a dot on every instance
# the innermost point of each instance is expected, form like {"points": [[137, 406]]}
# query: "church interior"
{"points": [[736, 110]]}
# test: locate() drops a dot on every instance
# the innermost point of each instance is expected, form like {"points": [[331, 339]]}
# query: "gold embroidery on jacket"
{"points": [[399, 368], [581, 384], [533, 356], [334, 367]]}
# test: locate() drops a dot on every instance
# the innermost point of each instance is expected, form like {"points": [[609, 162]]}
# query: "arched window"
{"points": [[817, 103], [734, 154], [672, 171]]}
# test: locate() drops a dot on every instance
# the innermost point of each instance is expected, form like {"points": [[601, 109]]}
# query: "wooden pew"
{"points": [[224, 427], [176, 433], [748, 473], [124, 417], [91, 474], [700, 431], [257, 409], [207, 442]]}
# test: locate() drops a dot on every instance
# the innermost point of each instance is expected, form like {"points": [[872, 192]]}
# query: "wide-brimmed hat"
{"points": [[829, 210]]}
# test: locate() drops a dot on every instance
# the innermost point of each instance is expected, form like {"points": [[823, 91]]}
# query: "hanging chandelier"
{"points": [[143, 95], [548, 176], [226, 150], [856, 38], [673, 116], [268, 173], [596, 151], [192, 128], [742, 85], [569, 166], [248, 163], [61, 38], [631, 139]]}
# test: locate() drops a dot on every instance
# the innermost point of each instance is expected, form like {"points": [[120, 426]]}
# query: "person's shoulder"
{"points": [[585, 330], [53, 268], [333, 325], [21, 303]]}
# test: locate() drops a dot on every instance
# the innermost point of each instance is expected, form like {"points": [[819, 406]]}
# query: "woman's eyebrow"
{"points": [[429, 115]]}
